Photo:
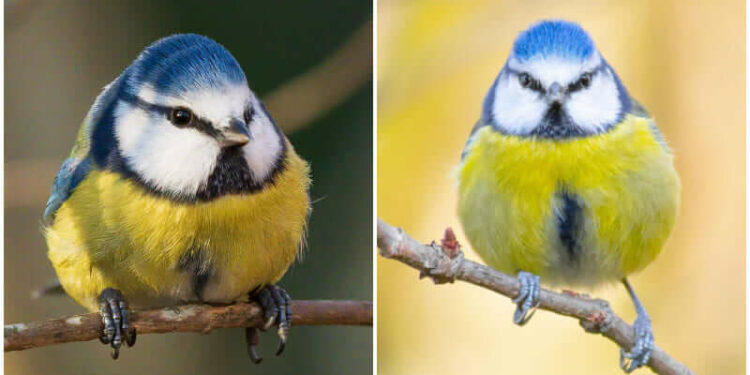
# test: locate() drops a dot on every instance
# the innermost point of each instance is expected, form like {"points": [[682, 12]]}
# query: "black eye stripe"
{"points": [[202, 125], [584, 81], [526, 80], [205, 127], [536, 85], [249, 114]]}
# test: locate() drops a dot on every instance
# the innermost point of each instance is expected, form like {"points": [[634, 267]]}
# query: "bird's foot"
{"points": [[640, 353], [115, 317], [275, 302], [528, 297]]}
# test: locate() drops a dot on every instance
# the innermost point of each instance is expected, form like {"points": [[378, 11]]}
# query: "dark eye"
{"points": [[585, 80], [249, 115], [524, 79], [181, 116]]}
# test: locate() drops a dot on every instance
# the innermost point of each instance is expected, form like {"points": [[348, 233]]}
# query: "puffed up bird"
{"points": [[565, 176], [180, 188]]}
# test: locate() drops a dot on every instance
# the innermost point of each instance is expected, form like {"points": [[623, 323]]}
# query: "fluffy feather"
{"points": [[166, 213], [112, 233], [624, 180], [555, 53]]}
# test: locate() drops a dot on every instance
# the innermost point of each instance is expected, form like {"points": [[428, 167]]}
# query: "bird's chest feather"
{"points": [[212, 251], [578, 211]]}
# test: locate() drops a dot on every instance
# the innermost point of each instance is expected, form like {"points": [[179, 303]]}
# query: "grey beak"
{"points": [[236, 134], [556, 93]]}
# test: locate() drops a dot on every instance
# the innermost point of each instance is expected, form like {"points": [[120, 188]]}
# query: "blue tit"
{"points": [[565, 176], [180, 188]]}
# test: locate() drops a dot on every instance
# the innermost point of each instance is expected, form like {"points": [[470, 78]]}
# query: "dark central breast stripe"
{"points": [[196, 265], [569, 225]]}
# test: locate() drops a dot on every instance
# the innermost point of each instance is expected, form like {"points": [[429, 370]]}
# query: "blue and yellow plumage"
{"points": [[565, 176], [180, 189]]}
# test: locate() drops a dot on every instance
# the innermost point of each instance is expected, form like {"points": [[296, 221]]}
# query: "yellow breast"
{"points": [[111, 233], [512, 193]]}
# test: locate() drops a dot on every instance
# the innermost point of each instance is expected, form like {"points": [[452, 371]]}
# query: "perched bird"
{"points": [[180, 188], [565, 176]]}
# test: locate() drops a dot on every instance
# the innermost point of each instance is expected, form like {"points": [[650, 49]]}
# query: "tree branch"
{"points": [[446, 263], [186, 318]]}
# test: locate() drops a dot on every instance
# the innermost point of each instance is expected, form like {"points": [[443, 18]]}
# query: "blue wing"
{"points": [[75, 168], [72, 172]]}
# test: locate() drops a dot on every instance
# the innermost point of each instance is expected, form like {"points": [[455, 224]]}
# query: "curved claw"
{"points": [[283, 333], [115, 318], [269, 323], [281, 299], [252, 338], [528, 297], [128, 331], [640, 353], [130, 337], [276, 310]]}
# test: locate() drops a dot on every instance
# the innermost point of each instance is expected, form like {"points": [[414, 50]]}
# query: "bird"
{"points": [[180, 188], [565, 177]]}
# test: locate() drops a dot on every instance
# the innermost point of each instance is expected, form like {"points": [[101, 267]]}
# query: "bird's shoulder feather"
{"points": [[80, 161], [71, 173], [636, 109]]}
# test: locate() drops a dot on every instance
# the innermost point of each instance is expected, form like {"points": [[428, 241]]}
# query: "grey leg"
{"points": [[640, 353]]}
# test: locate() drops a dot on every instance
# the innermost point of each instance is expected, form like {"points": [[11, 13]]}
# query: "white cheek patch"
{"points": [[263, 151], [180, 160], [519, 110], [515, 109], [597, 106], [172, 160]]}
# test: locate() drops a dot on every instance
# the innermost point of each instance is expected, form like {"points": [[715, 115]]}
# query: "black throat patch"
{"points": [[231, 175], [569, 225], [557, 124]]}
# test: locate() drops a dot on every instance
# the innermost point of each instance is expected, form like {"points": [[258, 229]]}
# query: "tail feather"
{"points": [[52, 289]]}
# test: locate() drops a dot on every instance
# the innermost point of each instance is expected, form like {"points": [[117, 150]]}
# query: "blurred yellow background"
{"points": [[684, 61]]}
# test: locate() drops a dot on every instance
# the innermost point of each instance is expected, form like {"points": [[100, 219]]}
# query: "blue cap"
{"points": [[184, 62], [556, 38]]}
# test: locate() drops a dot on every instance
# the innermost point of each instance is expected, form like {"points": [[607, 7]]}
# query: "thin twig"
{"points": [[447, 264], [186, 318]]}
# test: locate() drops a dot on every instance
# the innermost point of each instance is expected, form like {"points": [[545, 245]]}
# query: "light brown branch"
{"points": [[186, 318], [595, 315]]}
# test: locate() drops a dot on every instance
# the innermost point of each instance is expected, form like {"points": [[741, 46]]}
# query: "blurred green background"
{"points": [[683, 60], [310, 62]]}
